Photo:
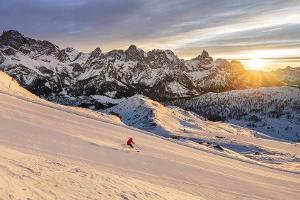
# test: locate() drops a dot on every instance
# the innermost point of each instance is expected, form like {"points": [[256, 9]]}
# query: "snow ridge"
{"points": [[274, 111]]}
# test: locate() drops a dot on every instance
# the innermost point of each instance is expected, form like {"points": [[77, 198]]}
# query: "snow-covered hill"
{"points": [[48, 152], [71, 77], [274, 111], [189, 129], [146, 114]]}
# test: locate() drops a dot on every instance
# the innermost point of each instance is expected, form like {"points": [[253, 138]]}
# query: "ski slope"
{"points": [[49, 151]]}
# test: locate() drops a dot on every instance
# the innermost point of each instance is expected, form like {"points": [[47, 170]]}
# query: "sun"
{"points": [[257, 64]]}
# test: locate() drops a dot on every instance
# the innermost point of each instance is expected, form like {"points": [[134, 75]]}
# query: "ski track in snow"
{"points": [[35, 177]]}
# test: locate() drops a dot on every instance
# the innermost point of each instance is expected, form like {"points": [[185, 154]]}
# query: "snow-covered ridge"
{"points": [[274, 111], [146, 114]]}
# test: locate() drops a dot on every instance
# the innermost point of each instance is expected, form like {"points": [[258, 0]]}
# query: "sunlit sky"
{"points": [[267, 31]]}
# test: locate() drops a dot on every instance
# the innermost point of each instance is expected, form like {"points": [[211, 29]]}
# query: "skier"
{"points": [[130, 142]]}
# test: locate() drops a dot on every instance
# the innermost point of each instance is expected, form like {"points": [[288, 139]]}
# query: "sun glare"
{"points": [[257, 64]]}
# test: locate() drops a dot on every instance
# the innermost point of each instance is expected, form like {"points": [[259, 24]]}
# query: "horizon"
{"points": [[263, 35]]}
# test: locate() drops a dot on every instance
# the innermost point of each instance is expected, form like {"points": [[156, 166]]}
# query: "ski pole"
{"points": [[138, 147]]}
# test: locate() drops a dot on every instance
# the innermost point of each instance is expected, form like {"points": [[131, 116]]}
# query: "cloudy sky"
{"points": [[232, 29]]}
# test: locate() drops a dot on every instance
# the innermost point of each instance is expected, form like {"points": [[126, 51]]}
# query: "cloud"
{"points": [[225, 27]]}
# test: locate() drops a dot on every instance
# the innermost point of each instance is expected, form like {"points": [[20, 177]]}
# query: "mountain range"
{"points": [[71, 77]]}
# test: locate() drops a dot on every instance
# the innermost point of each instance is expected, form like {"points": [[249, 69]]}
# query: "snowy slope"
{"points": [[149, 115], [189, 129], [274, 111], [9, 85], [48, 152]]}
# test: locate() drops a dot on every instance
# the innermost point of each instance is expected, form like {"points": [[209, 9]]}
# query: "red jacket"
{"points": [[130, 141]]}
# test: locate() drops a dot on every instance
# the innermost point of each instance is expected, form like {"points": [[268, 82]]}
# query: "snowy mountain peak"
{"points": [[11, 35], [204, 57], [96, 52], [134, 54], [17, 41], [133, 48], [13, 39]]}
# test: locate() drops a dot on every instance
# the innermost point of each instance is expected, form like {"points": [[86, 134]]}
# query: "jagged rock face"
{"points": [[25, 45], [204, 58], [52, 72], [63, 56], [13, 39], [134, 54], [2, 58]]}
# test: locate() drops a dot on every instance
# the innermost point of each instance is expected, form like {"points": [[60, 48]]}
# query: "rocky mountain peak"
{"points": [[159, 56], [19, 42], [11, 34], [204, 58], [97, 52], [171, 55], [69, 49], [12, 38], [133, 53], [132, 48], [204, 54]]}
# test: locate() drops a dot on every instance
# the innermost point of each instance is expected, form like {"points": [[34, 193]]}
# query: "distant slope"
{"points": [[189, 129], [274, 111], [143, 113], [48, 152]]}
